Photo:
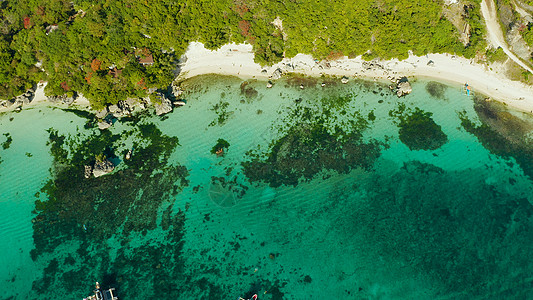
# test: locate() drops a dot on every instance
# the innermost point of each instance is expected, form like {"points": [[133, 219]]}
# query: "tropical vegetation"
{"points": [[94, 47]]}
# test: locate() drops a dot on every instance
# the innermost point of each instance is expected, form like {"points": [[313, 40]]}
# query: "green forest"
{"points": [[94, 47]]}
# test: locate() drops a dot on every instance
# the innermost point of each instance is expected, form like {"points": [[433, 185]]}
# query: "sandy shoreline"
{"points": [[40, 99], [237, 59]]}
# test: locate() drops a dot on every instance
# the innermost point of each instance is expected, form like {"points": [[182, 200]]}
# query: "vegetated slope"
{"points": [[495, 33], [94, 47]]}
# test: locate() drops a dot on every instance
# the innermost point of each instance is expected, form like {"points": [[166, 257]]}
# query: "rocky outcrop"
{"points": [[345, 79], [114, 110], [128, 155], [63, 99], [164, 107], [101, 113], [175, 90], [102, 167], [25, 98], [372, 65], [403, 87], [7, 103], [277, 74], [104, 124], [179, 103], [18, 101], [88, 171]]}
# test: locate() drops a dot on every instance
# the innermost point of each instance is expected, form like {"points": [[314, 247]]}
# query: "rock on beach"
{"points": [[403, 87]]}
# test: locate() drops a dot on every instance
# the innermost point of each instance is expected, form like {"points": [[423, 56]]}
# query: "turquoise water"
{"points": [[318, 196]]}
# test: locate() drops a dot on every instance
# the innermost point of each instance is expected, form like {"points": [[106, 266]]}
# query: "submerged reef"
{"points": [[314, 139], [248, 91], [417, 130], [8, 141], [436, 89], [221, 110], [502, 133], [467, 249], [91, 214]]}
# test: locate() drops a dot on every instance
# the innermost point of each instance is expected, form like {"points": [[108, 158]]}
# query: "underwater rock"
{"points": [[403, 87], [102, 167], [164, 107]]}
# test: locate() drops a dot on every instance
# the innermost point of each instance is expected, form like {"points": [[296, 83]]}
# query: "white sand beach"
{"points": [[238, 60]]}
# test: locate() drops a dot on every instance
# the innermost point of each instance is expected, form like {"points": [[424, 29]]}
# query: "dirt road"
{"points": [[495, 33]]}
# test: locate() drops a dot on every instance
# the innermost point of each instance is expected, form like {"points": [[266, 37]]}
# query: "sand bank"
{"points": [[238, 60]]}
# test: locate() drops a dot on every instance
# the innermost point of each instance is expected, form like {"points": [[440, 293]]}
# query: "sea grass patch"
{"points": [[436, 89], [497, 143], [248, 91], [314, 138], [221, 109], [417, 130], [7, 143], [87, 213]]}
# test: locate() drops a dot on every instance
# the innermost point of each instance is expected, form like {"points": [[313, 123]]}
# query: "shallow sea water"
{"points": [[455, 222]]}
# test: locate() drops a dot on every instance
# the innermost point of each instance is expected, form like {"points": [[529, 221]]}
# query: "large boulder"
{"points": [[164, 107], [102, 167], [101, 113], [104, 124], [277, 74], [403, 87], [25, 98], [175, 90]]}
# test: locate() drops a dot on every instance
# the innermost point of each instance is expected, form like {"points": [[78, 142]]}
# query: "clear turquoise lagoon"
{"points": [[335, 192]]}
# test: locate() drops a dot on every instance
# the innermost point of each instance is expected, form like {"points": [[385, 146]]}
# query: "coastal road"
{"points": [[495, 33]]}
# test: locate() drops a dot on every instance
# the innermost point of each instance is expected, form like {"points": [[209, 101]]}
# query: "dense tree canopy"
{"points": [[94, 46]]}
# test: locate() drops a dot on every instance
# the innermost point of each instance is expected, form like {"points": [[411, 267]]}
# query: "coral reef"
{"points": [[89, 213], [313, 141]]}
